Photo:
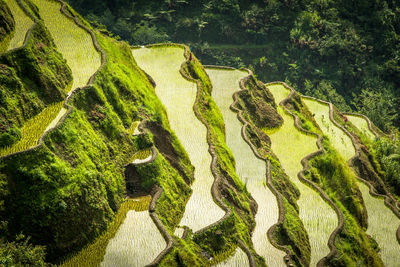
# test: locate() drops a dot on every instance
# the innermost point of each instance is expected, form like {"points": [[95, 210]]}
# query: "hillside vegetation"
{"points": [[113, 154], [346, 52]]}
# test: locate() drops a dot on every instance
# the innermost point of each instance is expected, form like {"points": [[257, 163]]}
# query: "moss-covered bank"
{"points": [[31, 78], [332, 174], [65, 193], [289, 233], [7, 23]]}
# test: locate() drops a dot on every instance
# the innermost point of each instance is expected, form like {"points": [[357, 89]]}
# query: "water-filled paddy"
{"points": [[137, 242], [74, 43], [291, 146], [22, 24], [178, 96], [362, 125], [339, 140], [250, 169], [382, 223]]}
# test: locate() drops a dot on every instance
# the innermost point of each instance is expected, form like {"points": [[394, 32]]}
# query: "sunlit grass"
{"points": [[382, 223], [362, 125], [34, 128], [250, 169], [382, 226], [339, 140], [22, 24], [291, 146], [73, 42], [239, 259], [133, 129], [178, 97], [142, 156], [93, 254]]}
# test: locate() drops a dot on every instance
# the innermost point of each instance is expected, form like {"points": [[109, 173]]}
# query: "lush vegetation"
{"points": [[74, 43], [250, 169], [291, 232], [7, 24], [240, 224], [30, 133], [336, 178], [31, 79], [334, 50], [93, 254], [71, 186]]}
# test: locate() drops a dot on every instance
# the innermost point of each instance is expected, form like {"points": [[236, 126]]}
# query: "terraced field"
{"points": [[73, 42], [382, 223], [240, 259], [178, 96], [339, 140], [22, 24], [250, 169], [382, 226], [137, 242], [291, 146], [362, 125]]}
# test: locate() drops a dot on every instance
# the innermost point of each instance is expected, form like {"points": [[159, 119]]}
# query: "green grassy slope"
{"points": [[72, 185], [250, 169], [31, 78], [330, 171], [7, 25]]}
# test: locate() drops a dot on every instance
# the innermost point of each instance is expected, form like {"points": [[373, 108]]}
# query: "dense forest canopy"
{"points": [[347, 52]]}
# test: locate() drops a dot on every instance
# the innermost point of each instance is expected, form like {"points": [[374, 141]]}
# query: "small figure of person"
{"points": [[345, 118]]}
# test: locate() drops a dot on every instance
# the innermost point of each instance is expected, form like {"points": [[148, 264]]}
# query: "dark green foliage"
{"points": [[11, 136], [334, 50], [70, 187], [7, 23], [21, 253], [31, 78], [259, 105], [388, 155]]}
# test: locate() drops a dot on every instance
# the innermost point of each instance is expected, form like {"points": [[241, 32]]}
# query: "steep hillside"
{"points": [[112, 155]]}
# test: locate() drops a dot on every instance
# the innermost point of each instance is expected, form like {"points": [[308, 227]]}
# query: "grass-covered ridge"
{"points": [[31, 79], [332, 174], [7, 25], [76, 178], [228, 190], [288, 233]]}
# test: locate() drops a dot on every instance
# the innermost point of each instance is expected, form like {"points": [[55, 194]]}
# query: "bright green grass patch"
{"points": [[73, 42], [93, 254], [340, 141], [250, 169], [133, 128], [33, 129], [142, 155], [382, 226], [362, 125], [178, 96], [319, 219], [22, 24], [238, 260], [336, 178]]}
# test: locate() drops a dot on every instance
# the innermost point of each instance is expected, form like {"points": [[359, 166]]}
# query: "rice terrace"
{"points": [[199, 133]]}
